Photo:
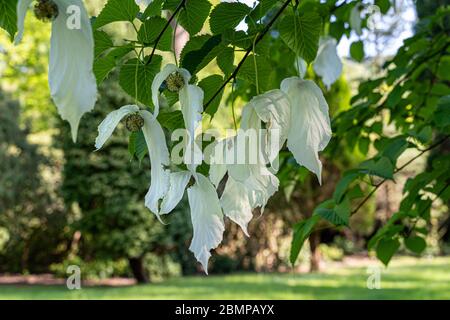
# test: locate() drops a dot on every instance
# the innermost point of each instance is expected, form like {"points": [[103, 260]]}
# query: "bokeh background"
{"points": [[62, 204]]}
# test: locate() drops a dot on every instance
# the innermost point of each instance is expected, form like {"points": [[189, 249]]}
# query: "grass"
{"points": [[406, 278]]}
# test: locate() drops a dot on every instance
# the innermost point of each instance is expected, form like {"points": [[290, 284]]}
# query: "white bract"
{"points": [[298, 114], [355, 19], [191, 101], [310, 128], [328, 65], [157, 148], [207, 219], [72, 83]]}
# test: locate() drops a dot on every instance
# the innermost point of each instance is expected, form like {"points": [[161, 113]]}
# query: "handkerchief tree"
{"points": [[173, 93]]}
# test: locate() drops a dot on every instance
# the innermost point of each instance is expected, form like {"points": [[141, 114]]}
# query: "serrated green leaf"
{"points": [[196, 59], [384, 5], [394, 149], [262, 8], [117, 10], [103, 65], [194, 15], [442, 114], [225, 60], [382, 167], [227, 15], [140, 146], [8, 17], [337, 215], [357, 51], [132, 144], [363, 145], [416, 244], [386, 249], [102, 43], [153, 9], [302, 230], [210, 85], [343, 184], [137, 72], [262, 73], [301, 34], [171, 120], [151, 29]]}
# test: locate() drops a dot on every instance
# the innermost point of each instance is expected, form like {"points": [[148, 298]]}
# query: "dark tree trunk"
{"points": [[137, 267], [314, 242]]}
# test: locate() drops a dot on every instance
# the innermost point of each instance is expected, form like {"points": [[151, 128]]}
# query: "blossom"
{"points": [[327, 64], [72, 82], [250, 185], [157, 148], [206, 217], [191, 101], [310, 127]]}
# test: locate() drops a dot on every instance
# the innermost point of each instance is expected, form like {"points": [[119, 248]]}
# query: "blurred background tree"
{"points": [[32, 222]]}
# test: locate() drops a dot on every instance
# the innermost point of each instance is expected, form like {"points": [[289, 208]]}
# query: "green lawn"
{"points": [[405, 278]]}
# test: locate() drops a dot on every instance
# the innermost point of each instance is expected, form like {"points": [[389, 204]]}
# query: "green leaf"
{"points": [[117, 10], [102, 43], [363, 145], [262, 73], [262, 8], [302, 230], [225, 60], [105, 64], [227, 15], [8, 17], [357, 51], [153, 9], [386, 248], [442, 114], [381, 168], [301, 34], [140, 146], [384, 5], [132, 144], [416, 244], [137, 146], [443, 71], [197, 59], [210, 85], [135, 72], [193, 16], [343, 184], [394, 149], [171, 120], [337, 215], [150, 30]]}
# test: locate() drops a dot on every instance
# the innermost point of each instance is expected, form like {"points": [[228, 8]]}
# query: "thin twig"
{"points": [[178, 8], [247, 53], [396, 171]]}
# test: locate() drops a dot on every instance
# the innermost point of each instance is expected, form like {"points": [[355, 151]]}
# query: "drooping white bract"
{"points": [[72, 82], [310, 128], [355, 19], [191, 101], [158, 152], [207, 219], [251, 184], [272, 108], [328, 65]]}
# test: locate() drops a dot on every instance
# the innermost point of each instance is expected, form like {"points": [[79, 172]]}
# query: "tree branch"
{"points": [[178, 8], [247, 53], [397, 170]]}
